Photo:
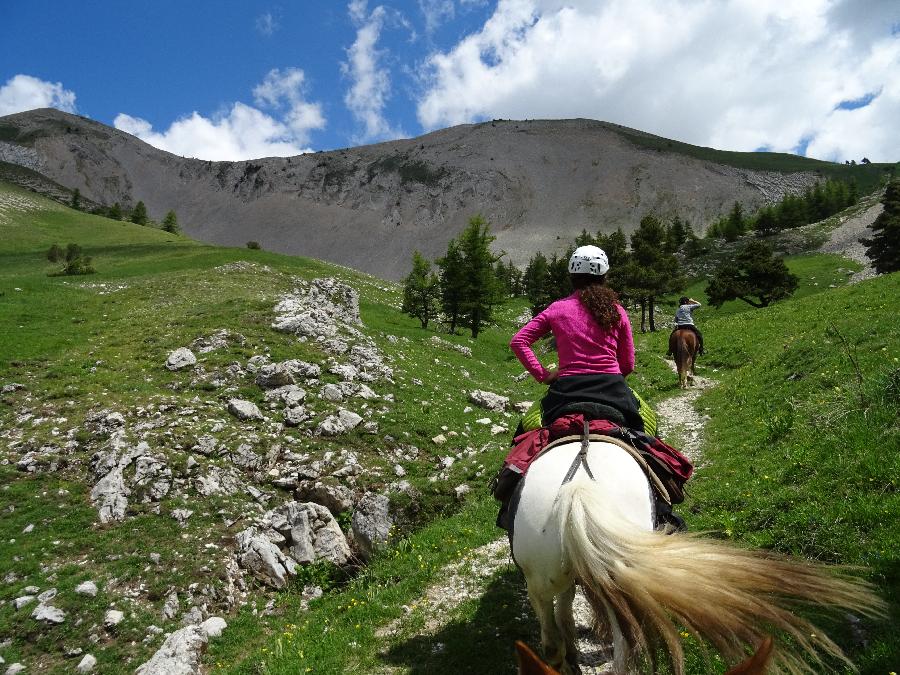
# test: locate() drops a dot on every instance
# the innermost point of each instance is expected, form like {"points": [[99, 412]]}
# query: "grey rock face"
{"points": [[257, 553], [371, 522], [540, 178], [110, 493], [178, 655], [274, 375], [181, 358], [87, 588], [489, 400], [49, 614], [244, 410], [295, 415], [336, 498], [87, 664], [311, 531]]}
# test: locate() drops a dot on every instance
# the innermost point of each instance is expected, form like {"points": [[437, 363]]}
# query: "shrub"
{"points": [[80, 265], [55, 253], [253, 244]]}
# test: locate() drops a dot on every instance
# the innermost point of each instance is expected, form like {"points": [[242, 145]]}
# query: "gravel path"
{"points": [[463, 580]]}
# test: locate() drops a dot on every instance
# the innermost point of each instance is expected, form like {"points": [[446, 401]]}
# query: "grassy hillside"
{"points": [[868, 176], [789, 390]]}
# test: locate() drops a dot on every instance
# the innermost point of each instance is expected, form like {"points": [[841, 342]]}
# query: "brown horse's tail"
{"points": [[647, 585]]}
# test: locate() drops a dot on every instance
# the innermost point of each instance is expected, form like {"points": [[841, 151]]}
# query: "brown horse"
{"points": [[683, 344], [531, 664]]}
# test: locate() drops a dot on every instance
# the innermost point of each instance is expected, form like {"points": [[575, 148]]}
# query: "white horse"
{"points": [[645, 586]]}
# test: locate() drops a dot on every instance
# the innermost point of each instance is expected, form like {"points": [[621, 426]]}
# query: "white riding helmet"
{"points": [[589, 260]]}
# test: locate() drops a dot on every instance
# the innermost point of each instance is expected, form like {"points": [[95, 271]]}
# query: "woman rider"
{"points": [[594, 345]]}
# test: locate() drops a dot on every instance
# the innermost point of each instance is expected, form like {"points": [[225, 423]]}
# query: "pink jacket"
{"points": [[583, 347]]}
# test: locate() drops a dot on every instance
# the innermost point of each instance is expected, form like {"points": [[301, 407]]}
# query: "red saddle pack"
{"points": [[670, 465]]}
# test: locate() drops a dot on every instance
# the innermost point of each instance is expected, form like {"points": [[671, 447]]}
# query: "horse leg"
{"points": [[551, 640], [565, 621]]}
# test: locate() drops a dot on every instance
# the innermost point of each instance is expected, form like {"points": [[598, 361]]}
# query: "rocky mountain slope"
{"points": [[539, 183]]}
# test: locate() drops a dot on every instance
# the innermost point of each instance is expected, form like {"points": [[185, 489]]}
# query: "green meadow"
{"points": [[800, 452]]}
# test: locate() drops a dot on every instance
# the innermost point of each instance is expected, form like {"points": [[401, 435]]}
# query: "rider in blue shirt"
{"points": [[684, 317]]}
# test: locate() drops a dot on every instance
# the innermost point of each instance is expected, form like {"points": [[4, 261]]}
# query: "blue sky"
{"points": [[231, 80]]}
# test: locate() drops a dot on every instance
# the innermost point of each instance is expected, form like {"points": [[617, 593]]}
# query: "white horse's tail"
{"points": [[647, 586]]}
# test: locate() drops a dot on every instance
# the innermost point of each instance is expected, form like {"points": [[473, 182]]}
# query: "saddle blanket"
{"points": [[669, 464]]}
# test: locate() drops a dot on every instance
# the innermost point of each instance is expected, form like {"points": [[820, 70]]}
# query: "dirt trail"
{"points": [[679, 423]]}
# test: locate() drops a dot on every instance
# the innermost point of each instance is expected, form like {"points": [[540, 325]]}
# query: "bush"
{"points": [[81, 265], [75, 262], [253, 244]]}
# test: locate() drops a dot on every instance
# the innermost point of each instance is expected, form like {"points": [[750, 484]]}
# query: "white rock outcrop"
{"points": [[181, 358]]}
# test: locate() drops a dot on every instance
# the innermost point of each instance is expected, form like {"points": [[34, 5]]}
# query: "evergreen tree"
{"points": [[76, 199], [170, 223], [766, 221], [734, 224], [514, 274], [652, 271], [676, 234], [584, 239], [536, 281], [791, 212], [852, 192], [115, 211], [558, 283], [139, 214], [421, 291], [615, 245], [756, 276], [453, 283], [481, 287], [883, 247]]}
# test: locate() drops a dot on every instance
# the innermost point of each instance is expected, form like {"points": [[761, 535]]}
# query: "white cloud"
{"points": [[284, 91], [436, 12], [738, 74], [370, 80], [24, 92], [241, 131], [266, 24]]}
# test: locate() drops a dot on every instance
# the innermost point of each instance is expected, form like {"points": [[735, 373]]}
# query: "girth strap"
{"points": [[581, 457]]}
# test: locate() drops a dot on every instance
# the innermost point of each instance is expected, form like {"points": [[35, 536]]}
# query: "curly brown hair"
{"points": [[598, 298]]}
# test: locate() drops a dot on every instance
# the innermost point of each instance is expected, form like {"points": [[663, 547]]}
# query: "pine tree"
{"points": [[139, 214], [421, 291], [652, 271], [766, 221], [482, 291], [536, 281], [676, 234], [559, 285], [115, 211], [170, 223], [883, 247], [76, 199], [615, 245], [453, 283], [735, 225], [755, 276]]}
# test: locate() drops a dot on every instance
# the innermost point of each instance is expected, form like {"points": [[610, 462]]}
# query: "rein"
{"points": [[581, 458]]}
